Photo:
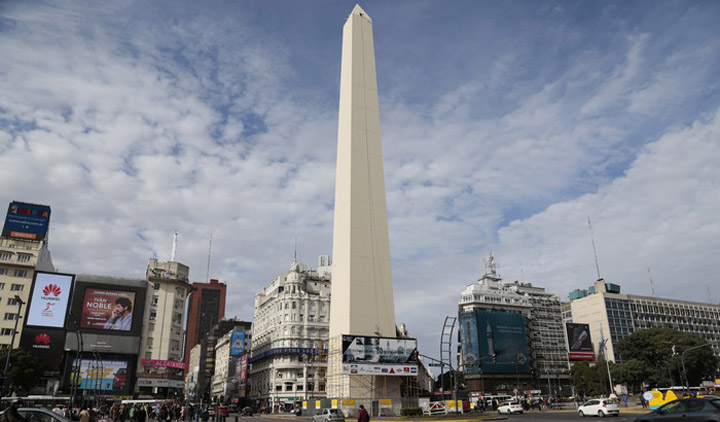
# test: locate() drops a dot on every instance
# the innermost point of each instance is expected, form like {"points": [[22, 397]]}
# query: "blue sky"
{"points": [[505, 126]]}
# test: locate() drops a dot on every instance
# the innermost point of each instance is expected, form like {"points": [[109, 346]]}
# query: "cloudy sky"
{"points": [[505, 126]]}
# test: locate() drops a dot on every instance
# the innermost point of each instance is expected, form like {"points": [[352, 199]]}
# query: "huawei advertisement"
{"points": [[49, 299], [494, 342]]}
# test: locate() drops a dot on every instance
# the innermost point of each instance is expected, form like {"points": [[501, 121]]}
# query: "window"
{"points": [[12, 301], [155, 300], [153, 315], [294, 305], [20, 273], [178, 304], [156, 286], [10, 316], [24, 257], [17, 287], [278, 388], [6, 332], [289, 387], [5, 256], [2, 286], [177, 317], [4, 271]]}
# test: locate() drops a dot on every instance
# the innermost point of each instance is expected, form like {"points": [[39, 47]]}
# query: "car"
{"points": [[119, 379], [509, 407], [41, 415], [599, 407], [704, 409], [233, 408], [223, 410], [329, 415]]}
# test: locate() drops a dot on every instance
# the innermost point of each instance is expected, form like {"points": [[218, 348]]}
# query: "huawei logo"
{"points": [[42, 338], [53, 289]]}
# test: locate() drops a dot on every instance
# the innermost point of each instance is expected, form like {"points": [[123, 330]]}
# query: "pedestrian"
{"points": [[12, 414], [363, 415], [84, 414]]}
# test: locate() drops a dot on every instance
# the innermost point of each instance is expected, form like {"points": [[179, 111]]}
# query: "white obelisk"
{"points": [[362, 290]]}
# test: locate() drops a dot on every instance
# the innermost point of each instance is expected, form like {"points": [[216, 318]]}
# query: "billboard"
{"points": [[47, 345], [237, 343], [26, 221], [105, 375], [241, 370], [579, 342], [49, 299], [379, 355], [106, 309], [469, 340], [162, 363], [501, 342]]}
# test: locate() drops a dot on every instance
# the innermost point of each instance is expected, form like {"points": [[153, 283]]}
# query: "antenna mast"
{"points": [[207, 276], [592, 239], [652, 285], [174, 249]]}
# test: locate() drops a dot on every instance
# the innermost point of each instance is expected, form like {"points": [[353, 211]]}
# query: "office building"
{"points": [[290, 333], [206, 362], [206, 307], [161, 368], [511, 336], [23, 249], [613, 316]]}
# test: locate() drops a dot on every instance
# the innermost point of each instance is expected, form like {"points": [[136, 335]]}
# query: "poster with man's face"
{"points": [[105, 309]]}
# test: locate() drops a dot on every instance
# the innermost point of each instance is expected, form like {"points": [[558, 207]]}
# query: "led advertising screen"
{"points": [[26, 221], [379, 356], [106, 309], [105, 375], [502, 342], [237, 345], [579, 342], [241, 370], [46, 344], [49, 299]]}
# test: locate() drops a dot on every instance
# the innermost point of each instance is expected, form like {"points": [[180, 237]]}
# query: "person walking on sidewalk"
{"points": [[363, 415]]}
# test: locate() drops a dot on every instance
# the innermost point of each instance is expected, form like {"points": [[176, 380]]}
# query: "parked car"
{"points": [[689, 409], [329, 415], [509, 407], [599, 407]]}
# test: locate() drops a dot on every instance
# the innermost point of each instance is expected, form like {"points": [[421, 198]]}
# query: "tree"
{"points": [[659, 350], [632, 373], [587, 379], [25, 370]]}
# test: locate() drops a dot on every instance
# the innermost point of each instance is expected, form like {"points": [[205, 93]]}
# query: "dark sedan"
{"points": [[702, 409]]}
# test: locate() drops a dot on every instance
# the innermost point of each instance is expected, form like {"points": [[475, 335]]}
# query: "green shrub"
{"points": [[411, 411]]}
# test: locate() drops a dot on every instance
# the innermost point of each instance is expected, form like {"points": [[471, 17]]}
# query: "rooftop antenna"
{"points": [[207, 276], [295, 251], [652, 285], [174, 249], [592, 239]]}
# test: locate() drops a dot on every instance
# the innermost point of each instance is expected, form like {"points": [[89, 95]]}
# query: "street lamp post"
{"points": [[20, 303], [682, 358]]}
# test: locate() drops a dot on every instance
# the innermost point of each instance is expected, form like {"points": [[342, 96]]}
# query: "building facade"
{"points": [[288, 360], [614, 316], [230, 350], [21, 253], [205, 309], [162, 363], [535, 335]]}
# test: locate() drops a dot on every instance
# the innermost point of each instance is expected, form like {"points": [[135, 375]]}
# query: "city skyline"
{"points": [[505, 126]]}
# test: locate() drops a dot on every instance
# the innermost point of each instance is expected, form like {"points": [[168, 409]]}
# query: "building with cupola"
{"points": [[288, 361]]}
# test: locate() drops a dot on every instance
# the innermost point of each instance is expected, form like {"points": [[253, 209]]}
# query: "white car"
{"points": [[510, 407], [329, 415], [599, 407]]}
